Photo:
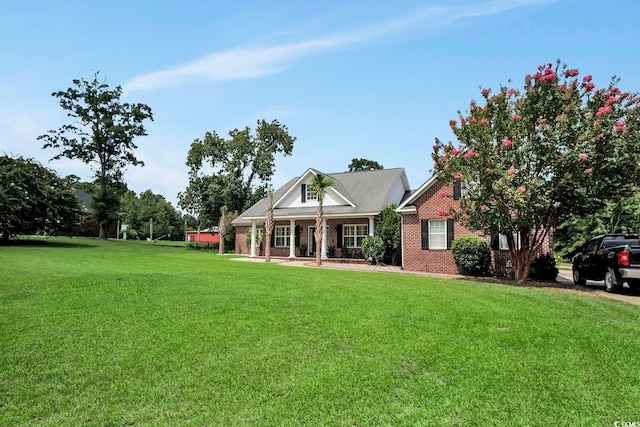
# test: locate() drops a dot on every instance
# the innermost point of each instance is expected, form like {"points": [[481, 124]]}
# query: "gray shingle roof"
{"points": [[369, 191]]}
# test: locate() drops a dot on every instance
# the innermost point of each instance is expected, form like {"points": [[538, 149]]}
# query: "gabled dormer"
{"points": [[301, 195]]}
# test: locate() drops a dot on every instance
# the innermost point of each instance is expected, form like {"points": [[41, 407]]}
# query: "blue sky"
{"points": [[371, 79]]}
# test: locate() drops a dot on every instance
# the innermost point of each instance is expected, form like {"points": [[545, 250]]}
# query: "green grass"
{"points": [[132, 333]]}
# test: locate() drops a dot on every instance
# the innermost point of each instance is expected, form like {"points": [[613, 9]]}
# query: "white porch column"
{"points": [[323, 252], [292, 239], [371, 226], [253, 240]]}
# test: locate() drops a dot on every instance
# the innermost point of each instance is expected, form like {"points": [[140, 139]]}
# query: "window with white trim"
{"points": [[311, 193], [354, 234], [503, 245], [282, 236], [437, 234]]}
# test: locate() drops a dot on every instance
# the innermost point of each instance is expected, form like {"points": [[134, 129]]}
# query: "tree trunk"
{"points": [[318, 236], [102, 235], [267, 248]]}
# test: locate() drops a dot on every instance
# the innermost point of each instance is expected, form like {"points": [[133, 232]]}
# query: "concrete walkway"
{"points": [[564, 279]]}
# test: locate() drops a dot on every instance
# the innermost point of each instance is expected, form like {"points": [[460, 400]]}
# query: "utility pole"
{"points": [[151, 229]]}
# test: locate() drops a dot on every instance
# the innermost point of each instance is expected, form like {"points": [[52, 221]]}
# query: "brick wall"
{"points": [[430, 205], [332, 238]]}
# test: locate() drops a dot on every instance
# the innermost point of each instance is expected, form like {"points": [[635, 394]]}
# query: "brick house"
{"points": [[351, 206], [427, 234]]}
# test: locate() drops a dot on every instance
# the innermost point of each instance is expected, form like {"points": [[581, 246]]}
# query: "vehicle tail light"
{"points": [[624, 258]]}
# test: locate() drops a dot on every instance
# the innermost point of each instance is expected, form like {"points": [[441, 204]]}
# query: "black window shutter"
{"points": [[450, 233], [298, 231], [272, 244], [339, 237], [424, 231], [457, 190], [495, 242], [303, 193]]}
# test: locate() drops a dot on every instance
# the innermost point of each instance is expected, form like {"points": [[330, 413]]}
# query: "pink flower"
{"points": [[442, 194], [456, 151], [463, 121], [521, 189], [484, 122], [611, 100], [603, 110], [458, 176], [470, 153], [589, 87], [441, 212], [583, 156], [486, 92], [506, 143], [588, 170], [548, 75], [511, 170], [528, 78], [512, 92], [452, 123], [436, 148], [600, 135], [619, 125], [571, 73], [587, 78], [515, 117]]}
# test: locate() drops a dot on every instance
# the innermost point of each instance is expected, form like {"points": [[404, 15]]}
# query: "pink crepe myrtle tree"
{"points": [[530, 158]]}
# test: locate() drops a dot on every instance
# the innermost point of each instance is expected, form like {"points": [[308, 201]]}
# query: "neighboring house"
{"points": [[351, 206], [208, 235], [89, 227], [427, 233]]}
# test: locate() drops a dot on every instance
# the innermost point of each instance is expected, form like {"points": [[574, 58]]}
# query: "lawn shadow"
{"points": [[47, 241]]}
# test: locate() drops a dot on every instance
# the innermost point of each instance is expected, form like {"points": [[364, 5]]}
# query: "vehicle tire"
{"points": [[577, 278], [609, 282], [634, 284]]}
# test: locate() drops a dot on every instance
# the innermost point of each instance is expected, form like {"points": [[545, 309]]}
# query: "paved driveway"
{"points": [[625, 294]]}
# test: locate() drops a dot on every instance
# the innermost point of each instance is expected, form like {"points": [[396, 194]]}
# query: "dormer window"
{"points": [[311, 193], [308, 193]]}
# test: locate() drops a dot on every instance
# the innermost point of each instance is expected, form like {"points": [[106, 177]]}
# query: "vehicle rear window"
{"points": [[610, 242]]}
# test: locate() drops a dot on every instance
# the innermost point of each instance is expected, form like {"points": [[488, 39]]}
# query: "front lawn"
{"points": [[116, 333]]}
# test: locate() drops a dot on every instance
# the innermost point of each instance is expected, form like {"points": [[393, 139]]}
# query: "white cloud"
{"points": [[250, 62]]}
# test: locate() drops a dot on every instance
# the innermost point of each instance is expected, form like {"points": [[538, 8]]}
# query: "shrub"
{"points": [[373, 249], [543, 267], [472, 255]]}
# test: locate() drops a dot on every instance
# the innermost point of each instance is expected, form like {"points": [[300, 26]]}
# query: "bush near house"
{"points": [[543, 267], [373, 249], [472, 255]]}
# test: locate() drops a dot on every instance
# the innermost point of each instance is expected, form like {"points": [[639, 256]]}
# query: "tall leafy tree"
{"points": [[364, 165], [319, 184], [138, 211], [234, 172], [529, 159], [33, 199], [388, 229], [101, 133]]}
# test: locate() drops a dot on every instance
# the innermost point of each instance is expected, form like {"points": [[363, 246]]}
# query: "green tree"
{"points": [[138, 211], [388, 229], [622, 216], [101, 133], [528, 160], [234, 172], [33, 199], [364, 165], [319, 184]]}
